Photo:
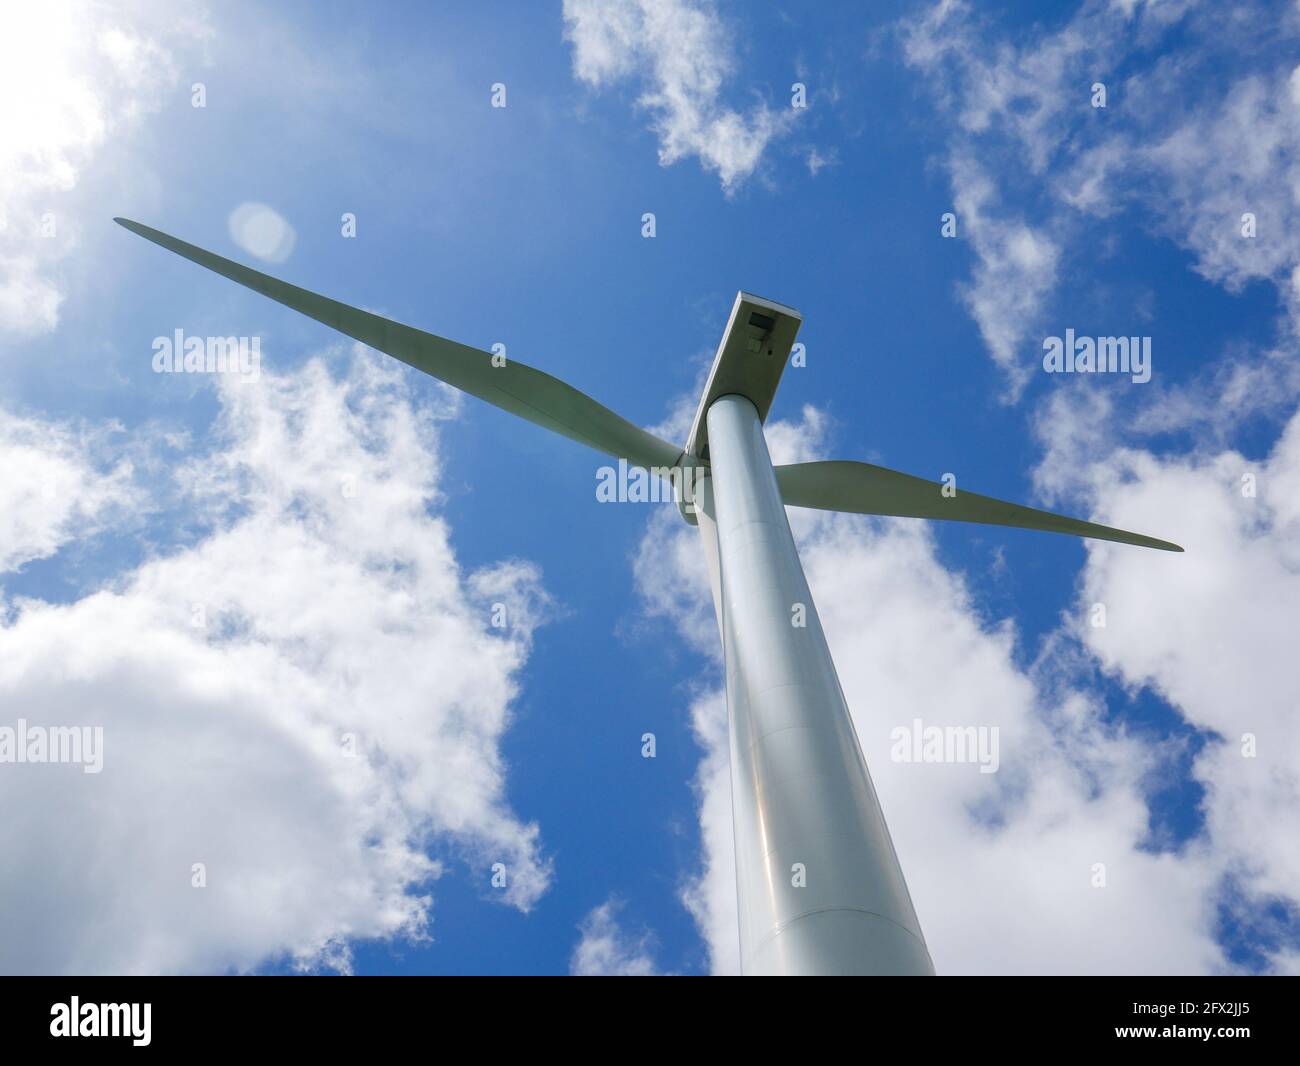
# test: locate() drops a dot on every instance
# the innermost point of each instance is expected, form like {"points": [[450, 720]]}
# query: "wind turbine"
{"points": [[820, 889]]}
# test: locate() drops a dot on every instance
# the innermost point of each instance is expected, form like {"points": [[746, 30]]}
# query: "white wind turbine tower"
{"points": [[801, 794]]}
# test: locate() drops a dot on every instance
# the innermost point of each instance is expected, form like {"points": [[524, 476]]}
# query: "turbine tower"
{"points": [[820, 888]]}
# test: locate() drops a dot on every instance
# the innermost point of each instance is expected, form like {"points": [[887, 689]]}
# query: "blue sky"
{"points": [[523, 225]]}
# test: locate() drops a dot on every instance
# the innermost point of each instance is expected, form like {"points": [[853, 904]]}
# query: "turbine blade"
{"points": [[514, 387], [862, 488]]}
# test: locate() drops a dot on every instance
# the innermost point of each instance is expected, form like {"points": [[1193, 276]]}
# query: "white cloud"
{"points": [[73, 75], [1014, 275], [911, 642], [29, 300], [679, 51], [323, 614], [670, 574], [1022, 90], [817, 160], [1188, 148], [56, 487], [606, 950], [1213, 630], [798, 441], [1239, 155], [710, 895]]}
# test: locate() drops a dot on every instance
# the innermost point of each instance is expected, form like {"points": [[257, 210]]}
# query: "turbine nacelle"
{"points": [[749, 362]]}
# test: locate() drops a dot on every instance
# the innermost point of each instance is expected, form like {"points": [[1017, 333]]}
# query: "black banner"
{"points": [[231, 1014]]}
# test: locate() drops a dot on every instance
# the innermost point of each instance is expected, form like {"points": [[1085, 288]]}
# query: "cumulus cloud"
{"points": [[679, 53], [57, 486], [709, 894], [1238, 156], [1190, 150], [607, 950], [1015, 270], [72, 76], [307, 699], [1069, 795], [1213, 634]]}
